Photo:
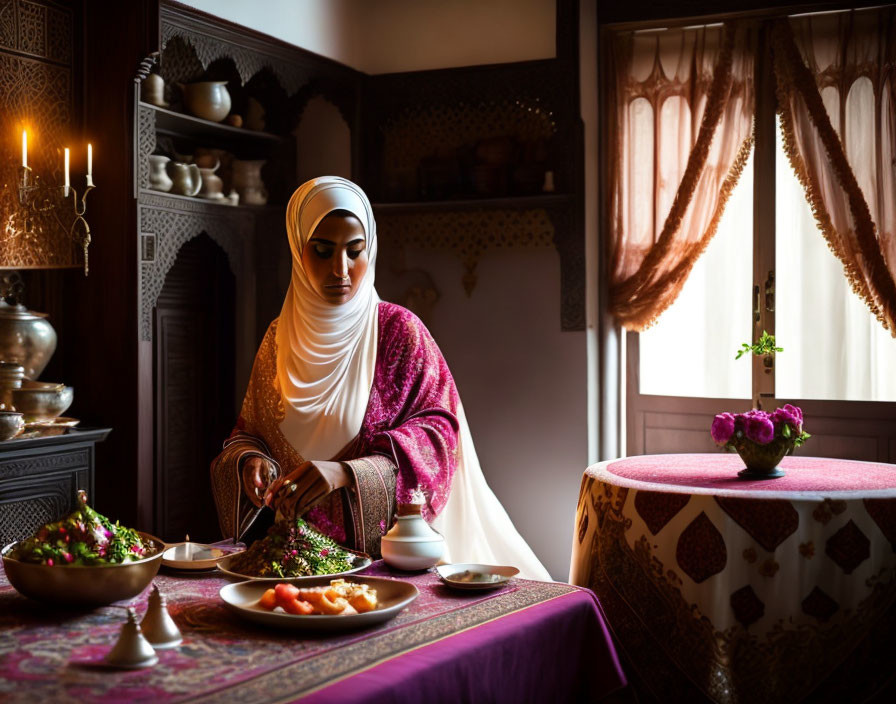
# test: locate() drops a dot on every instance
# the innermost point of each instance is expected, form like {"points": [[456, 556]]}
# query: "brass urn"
{"points": [[26, 338]]}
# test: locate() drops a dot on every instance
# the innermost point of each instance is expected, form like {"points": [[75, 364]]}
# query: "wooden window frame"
{"points": [[658, 424]]}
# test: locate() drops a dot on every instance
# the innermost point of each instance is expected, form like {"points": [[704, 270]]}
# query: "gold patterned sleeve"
{"points": [[236, 513], [371, 500]]}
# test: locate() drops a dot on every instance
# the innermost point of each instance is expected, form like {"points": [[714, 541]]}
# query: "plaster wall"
{"points": [[387, 36]]}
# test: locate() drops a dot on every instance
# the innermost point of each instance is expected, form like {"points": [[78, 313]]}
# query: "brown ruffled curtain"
{"points": [[682, 125], [836, 83]]}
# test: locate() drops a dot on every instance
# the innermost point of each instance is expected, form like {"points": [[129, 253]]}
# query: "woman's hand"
{"points": [[258, 473], [301, 489]]}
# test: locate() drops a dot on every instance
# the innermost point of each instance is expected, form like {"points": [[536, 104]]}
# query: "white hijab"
{"points": [[326, 354]]}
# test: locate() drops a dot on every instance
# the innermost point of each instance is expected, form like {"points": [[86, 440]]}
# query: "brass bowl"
{"points": [[42, 401], [11, 424], [83, 585]]}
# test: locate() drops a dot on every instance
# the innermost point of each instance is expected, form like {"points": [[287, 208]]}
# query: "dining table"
{"points": [[526, 641], [722, 589]]}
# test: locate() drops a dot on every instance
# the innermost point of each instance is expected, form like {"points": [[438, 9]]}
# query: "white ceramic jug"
{"points": [[212, 184], [186, 177], [158, 176], [411, 544]]}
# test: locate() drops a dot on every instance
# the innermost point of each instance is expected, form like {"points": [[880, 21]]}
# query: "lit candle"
{"points": [[66, 173], [25, 148], [89, 164]]}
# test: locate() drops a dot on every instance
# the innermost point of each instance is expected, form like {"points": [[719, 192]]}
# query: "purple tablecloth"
{"points": [[530, 641]]}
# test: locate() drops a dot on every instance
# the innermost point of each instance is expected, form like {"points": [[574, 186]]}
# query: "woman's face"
{"points": [[335, 257]]}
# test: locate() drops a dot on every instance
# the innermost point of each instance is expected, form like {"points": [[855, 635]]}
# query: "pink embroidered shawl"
{"points": [[408, 438]]}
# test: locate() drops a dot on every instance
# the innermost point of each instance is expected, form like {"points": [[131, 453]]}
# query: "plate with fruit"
{"points": [[320, 604]]}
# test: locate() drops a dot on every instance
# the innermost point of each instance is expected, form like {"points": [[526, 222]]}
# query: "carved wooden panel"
{"points": [[19, 517], [174, 222], [35, 93], [27, 466]]}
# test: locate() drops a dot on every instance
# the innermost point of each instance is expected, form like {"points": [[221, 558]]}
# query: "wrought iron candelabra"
{"points": [[36, 197]]}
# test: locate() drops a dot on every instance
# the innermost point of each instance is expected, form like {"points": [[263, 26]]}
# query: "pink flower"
{"points": [[49, 561], [67, 556], [722, 428], [324, 552], [759, 428]]}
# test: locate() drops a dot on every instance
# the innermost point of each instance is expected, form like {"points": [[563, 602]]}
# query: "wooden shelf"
{"points": [[221, 203], [545, 200], [177, 124]]}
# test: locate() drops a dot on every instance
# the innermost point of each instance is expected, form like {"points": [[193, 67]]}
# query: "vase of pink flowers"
{"points": [[762, 439]]}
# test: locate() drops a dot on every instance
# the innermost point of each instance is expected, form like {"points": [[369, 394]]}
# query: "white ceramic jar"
{"points": [[411, 544]]}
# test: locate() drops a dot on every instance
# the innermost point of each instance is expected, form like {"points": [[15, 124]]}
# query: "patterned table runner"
{"points": [[55, 655]]}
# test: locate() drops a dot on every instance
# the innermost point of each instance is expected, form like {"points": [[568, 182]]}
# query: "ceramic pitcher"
{"points": [[247, 181], [158, 175], [186, 178], [212, 184]]}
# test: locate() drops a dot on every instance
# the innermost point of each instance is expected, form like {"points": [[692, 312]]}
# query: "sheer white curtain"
{"points": [[690, 351], [834, 348]]}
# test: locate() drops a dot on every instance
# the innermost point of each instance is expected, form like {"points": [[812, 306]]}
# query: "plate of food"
{"points": [[320, 603], [474, 576], [295, 550]]}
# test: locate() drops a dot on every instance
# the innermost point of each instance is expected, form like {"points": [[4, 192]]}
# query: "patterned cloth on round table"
{"points": [[743, 591]]}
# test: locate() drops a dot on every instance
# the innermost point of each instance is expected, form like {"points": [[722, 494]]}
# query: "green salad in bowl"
{"points": [[84, 537], [83, 559]]}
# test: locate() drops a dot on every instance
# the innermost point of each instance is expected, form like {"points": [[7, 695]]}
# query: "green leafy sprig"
{"points": [[765, 345]]}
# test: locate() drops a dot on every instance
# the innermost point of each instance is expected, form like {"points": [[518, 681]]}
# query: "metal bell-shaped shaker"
{"points": [[132, 650], [157, 625]]}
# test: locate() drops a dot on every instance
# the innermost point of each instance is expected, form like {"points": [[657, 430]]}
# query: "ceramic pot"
{"points": [[152, 90], [186, 178], [158, 175], [411, 544], [247, 181], [762, 460], [26, 338], [209, 100], [212, 184]]}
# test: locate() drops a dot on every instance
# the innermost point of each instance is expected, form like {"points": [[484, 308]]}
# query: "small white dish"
{"points": [[194, 556], [360, 561], [475, 576], [393, 595]]}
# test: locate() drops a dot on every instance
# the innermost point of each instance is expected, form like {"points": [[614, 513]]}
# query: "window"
{"points": [[769, 262]]}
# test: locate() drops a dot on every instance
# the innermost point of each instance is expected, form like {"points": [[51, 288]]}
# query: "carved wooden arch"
{"points": [[164, 230], [342, 98], [247, 61]]}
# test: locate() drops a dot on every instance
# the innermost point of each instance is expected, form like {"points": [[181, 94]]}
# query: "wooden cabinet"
{"points": [[40, 478], [208, 281]]}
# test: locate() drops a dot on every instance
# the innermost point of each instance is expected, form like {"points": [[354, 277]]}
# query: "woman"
{"points": [[351, 407]]}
